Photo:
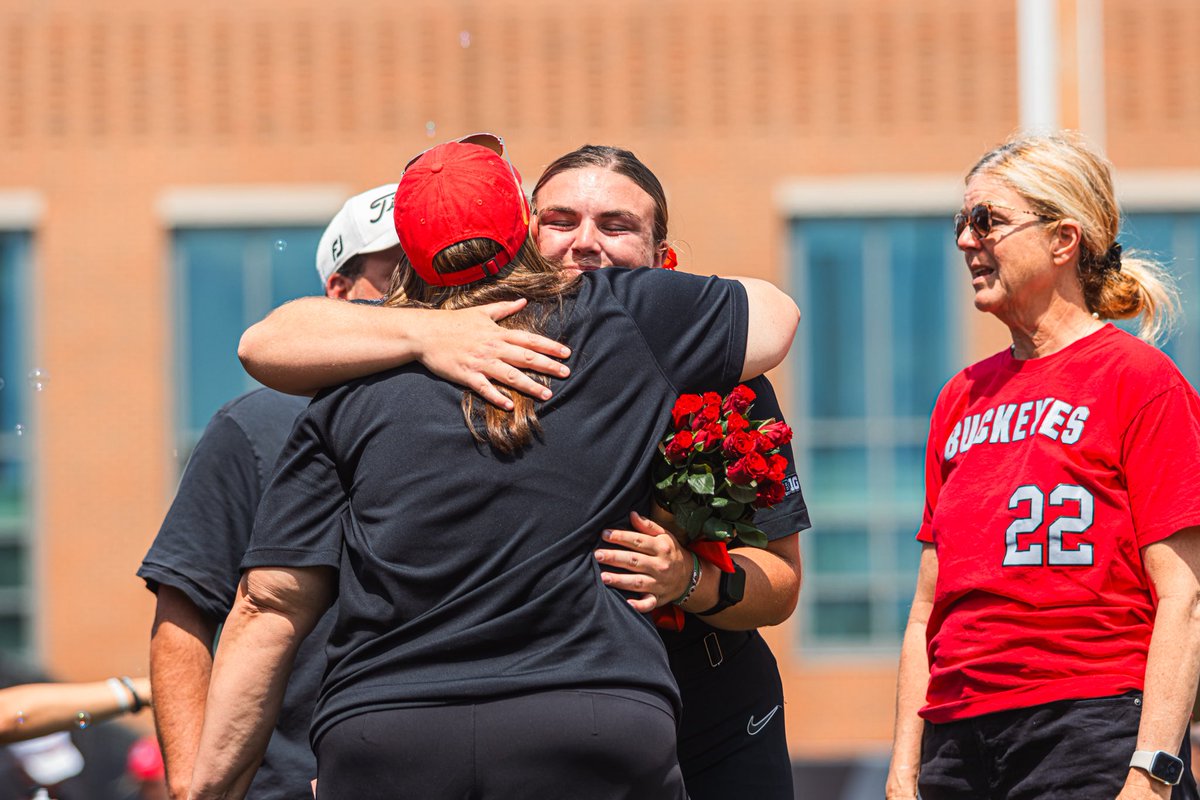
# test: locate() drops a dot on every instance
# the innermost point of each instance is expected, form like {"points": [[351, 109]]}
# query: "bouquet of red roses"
{"points": [[717, 467]]}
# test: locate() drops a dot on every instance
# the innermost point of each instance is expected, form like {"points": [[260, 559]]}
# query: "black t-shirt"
{"points": [[464, 574], [201, 543]]}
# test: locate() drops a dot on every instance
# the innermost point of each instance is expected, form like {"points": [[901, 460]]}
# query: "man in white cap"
{"points": [[193, 564]]}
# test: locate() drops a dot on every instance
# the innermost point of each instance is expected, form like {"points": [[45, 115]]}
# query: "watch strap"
{"points": [[724, 600]]}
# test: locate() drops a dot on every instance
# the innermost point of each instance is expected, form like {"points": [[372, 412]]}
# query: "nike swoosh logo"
{"points": [[753, 728]]}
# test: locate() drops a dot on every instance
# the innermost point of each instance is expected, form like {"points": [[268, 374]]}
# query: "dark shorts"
{"points": [[732, 740], [1069, 749], [587, 745]]}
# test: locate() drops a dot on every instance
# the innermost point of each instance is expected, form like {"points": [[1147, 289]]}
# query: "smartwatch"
{"points": [[730, 592], [1159, 764]]}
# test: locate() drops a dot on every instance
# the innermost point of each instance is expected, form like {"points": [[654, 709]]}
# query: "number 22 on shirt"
{"points": [[1032, 502]]}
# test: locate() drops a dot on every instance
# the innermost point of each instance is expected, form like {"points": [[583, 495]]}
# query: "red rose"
{"points": [[761, 443], [778, 432], [776, 468], [686, 404], [707, 415], [769, 494], [736, 422], [737, 444], [748, 468], [709, 437], [712, 399], [739, 399], [679, 447]]}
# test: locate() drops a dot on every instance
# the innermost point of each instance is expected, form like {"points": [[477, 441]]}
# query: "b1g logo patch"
{"points": [[791, 485]]}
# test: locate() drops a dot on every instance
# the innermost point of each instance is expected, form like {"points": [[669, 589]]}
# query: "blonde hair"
{"points": [[529, 275], [1061, 177]]}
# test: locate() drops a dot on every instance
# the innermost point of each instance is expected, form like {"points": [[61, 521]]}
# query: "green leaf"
{"points": [[718, 502], [715, 528], [666, 483], [742, 494], [702, 483], [691, 518], [731, 511], [750, 535]]}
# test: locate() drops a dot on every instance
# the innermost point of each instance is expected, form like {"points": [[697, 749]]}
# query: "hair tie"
{"points": [[1112, 259]]}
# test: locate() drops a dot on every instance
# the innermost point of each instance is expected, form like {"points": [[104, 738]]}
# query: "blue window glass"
{"points": [[1173, 239], [14, 442], [881, 337], [835, 274], [226, 280]]}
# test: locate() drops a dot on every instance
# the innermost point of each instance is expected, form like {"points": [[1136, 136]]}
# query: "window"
{"points": [[882, 299], [1174, 239], [226, 279], [15, 384]]}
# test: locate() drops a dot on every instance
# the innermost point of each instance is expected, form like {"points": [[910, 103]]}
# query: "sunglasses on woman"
{"points": [[980, 218]]}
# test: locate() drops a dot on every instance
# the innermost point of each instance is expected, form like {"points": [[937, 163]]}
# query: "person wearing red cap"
{"points": [[595, 207], [477, 651]]}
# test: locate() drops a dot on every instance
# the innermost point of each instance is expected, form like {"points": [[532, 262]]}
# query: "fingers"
{"points": [[482, 387], [644, 604], [646, 543], [512, 377], [539, 344], [504, 308], [521, 358], [646, 525]]}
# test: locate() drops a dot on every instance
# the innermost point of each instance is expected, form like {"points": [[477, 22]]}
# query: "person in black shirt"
{"points": [[596, 207], [470, 607], [192, 566]]}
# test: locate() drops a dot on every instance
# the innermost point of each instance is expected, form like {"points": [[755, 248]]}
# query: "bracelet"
{"points": [[138, 702], [692, 584], [118, 689]]}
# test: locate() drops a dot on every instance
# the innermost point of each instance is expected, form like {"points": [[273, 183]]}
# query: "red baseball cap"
{"points": [[458, 191]]}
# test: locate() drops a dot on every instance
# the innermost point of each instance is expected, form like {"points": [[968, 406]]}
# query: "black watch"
{"points": [[1159, 764], [730, 592]]}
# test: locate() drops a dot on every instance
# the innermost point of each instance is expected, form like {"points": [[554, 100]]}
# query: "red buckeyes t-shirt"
{"points": [[1044, 478]]}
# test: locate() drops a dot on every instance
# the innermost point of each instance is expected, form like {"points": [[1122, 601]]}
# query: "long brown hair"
{"points": [[529, 275]]}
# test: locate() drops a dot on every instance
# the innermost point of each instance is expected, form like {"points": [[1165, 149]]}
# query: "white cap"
{"points": [[364, 225], [49, 759]]}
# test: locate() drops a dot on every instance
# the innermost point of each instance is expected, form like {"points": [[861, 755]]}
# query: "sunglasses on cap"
{"points": [[492, 142], [980, 218]]}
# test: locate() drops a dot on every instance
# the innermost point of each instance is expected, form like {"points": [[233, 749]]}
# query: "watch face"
{"points": [[1167, 768]]}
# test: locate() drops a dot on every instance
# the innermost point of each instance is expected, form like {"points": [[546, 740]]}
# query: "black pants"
{"points": [[1069, 750], [732, 741], [584, 745]]}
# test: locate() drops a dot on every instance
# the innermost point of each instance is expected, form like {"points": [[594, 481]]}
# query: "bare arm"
{"points": [[315, 342], [1173, 663], [36, 709], [660, 569], [180, 665], [912, 684], [773, 320], [274, 610]]}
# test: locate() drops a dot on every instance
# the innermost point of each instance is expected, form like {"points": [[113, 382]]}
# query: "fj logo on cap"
{"points": [[337, 248]]}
